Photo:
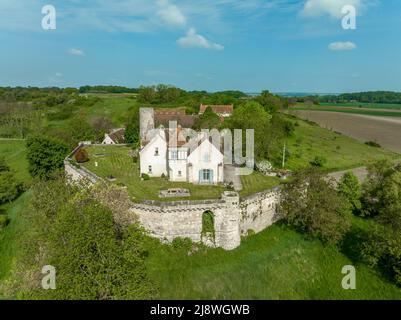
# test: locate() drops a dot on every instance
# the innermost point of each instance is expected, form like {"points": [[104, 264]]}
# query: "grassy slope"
{"points": [[340, 151], [15, 153], [275, 264], [9, 244]]}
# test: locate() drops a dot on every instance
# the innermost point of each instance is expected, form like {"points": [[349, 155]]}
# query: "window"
{"points": [[174, 155], [206, 176], [150, 169], [157, 152], [179, 173]]}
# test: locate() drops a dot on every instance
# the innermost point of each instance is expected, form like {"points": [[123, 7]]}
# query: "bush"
{"points": [[81, 156], [319, 161], [373, 144], [145, 177], [311, 205], [45, 155], [4, 221]]}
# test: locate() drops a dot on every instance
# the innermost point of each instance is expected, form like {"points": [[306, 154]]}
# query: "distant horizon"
{"points": [[290, 46]]}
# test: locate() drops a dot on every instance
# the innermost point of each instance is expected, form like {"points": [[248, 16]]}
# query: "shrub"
{"points": [[373, 144], [311, 205], [81, 156], [4, 221], [45, 155], [145, 177], [319, 161], [350, 188]]}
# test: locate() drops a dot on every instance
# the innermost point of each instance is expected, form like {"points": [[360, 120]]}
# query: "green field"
{"points": [[276, 264], [15, 154], [369, 111], [341, 152], [394, 106]]}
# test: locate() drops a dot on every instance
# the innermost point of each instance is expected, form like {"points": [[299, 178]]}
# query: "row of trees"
{"points": [[365, 97], [313, 205]]}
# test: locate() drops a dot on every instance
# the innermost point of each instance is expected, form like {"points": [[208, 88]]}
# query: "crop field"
{"points": [[385, 131], [368, 111]]}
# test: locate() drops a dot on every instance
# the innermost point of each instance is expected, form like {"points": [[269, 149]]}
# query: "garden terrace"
{"points": [[115, 164]]}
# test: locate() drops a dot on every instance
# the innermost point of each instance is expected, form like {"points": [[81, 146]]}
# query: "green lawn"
{"points": [[341, 152], [15, 154], [278, 263], [257, 182], [115, 161]]}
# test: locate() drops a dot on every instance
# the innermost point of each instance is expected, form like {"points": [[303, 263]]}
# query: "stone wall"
{"points": [[233, 217], [259, 211]]}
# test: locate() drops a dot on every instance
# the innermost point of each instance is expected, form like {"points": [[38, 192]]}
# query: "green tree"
{"points": [[208, 120], [270, 102], [252, 115], [132, 130], [3, 165], [95, 259], [45, 155], [374, 194], [311, 205], [350, 188]]}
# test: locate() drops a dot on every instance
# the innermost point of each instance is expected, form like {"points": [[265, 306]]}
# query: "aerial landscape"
{"points": [[176, 150]]}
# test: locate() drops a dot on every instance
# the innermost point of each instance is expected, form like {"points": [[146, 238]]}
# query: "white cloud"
{"points": [[76, 52], [171, 14], [314, 8], [342, 46], [194, 40]]}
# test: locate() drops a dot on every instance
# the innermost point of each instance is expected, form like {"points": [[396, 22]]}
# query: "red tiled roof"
{"points": [[170, 112], [219, 109], [185, 121], [118, 136]]}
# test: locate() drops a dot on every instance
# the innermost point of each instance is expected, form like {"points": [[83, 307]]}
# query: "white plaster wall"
{"points": [[148, 157], [107, 140], [199, 162]]}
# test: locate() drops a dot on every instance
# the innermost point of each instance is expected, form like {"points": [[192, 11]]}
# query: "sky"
{"points": [[248, 45]]}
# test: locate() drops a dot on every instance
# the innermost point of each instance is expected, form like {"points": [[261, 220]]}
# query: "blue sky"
{"points": [[280, 45]]}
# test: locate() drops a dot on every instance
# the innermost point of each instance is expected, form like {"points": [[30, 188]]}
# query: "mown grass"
{"points": [[278, 263], [14, 152], [341, 152], [257, 182]]}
